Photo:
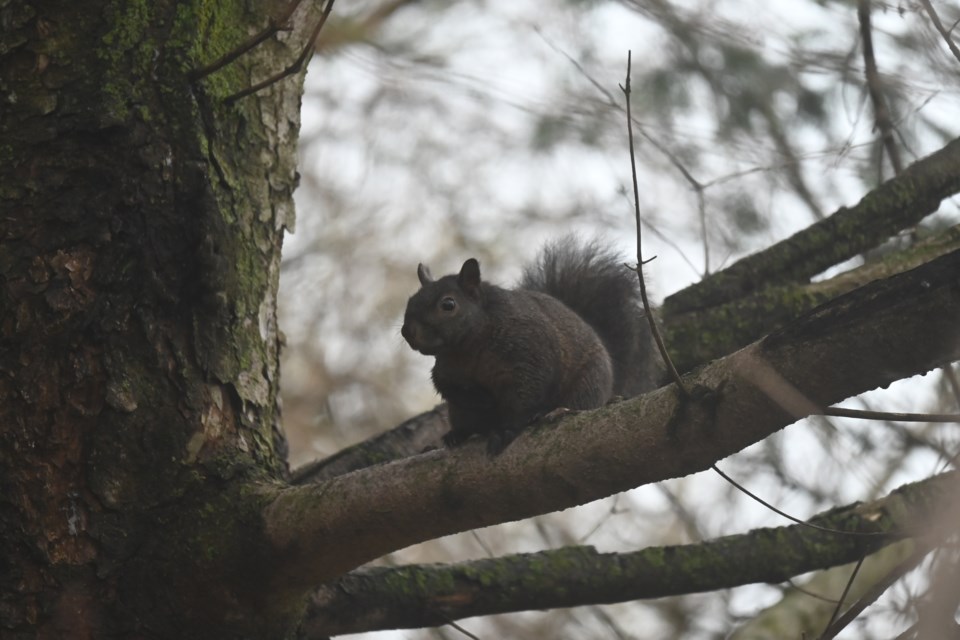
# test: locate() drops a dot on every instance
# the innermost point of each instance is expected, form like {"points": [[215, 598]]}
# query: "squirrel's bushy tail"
{"points": [[591, 279]]}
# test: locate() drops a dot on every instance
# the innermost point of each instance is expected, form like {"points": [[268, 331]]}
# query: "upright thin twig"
{"points": [[698, 187], [643, 285], [881, 114], [684, 392]]}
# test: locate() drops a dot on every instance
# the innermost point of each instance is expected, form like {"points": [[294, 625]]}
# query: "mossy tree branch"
{"points": [[897, 204], [692, 340], [754, 296], [860, 341], [412, 596], [703, 335], [413, 436], [140, 250]]}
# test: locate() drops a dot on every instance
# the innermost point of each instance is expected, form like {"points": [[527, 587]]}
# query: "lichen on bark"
{"points": [[140, 263]]}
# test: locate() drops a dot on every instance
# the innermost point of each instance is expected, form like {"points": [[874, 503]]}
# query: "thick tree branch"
{"points": [[413, 436], [429, 595], [706, 334], [887, 330], [692, 340], [899, 203], [745, 307]]}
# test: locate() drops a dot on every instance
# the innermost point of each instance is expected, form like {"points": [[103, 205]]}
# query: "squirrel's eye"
{"points": [[448, 304]]}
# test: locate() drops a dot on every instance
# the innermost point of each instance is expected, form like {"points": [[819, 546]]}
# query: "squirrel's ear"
{"points": [[423, 273], [469, 278]]}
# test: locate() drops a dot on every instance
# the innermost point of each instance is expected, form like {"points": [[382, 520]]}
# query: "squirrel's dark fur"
{"points": [[571, 336]]}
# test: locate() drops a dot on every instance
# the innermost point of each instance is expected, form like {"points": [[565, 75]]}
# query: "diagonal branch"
{"points": [[703, 335], [412, 596], [943, 31], [273, 26], [693, 339], [413, 436], [297, 64], [882, 332], [898, 203], [698, 337]]}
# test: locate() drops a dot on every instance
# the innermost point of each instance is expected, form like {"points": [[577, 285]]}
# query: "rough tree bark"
{"points": [[144, 487], [141, 230]]}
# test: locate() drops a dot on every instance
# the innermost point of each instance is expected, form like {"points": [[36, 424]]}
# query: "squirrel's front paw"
{"points": [[454, 438], [497, 441]]}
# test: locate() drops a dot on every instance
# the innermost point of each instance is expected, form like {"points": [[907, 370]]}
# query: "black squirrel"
{"points": [[571, 336]]}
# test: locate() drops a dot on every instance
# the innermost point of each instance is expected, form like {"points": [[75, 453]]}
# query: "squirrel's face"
{"points": [[444, 313]]}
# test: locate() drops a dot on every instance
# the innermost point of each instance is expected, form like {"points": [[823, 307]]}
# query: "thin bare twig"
{"points": [[685, 393], [293, 68], [450, 621], [807, 592], [874, 592], [614, 510], [935, 19], [791, 518], [643, 286], [846, 590], [463, 631], [483, 545], [881, 114], [951, 377], [893, 416], [272, 28], [698, 187]]}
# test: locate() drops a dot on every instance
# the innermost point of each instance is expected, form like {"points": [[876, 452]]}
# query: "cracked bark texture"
{"points": [[139, 245], [144, 483]]}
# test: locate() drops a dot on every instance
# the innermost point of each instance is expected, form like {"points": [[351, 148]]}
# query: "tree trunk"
{"points": [[142, 219], [144, 196]]}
